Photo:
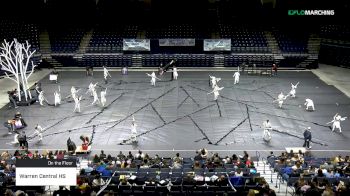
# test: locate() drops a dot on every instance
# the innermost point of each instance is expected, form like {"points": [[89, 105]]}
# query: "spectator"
{"points": [[98, 181], [204, 153], [177, 158], [198, 156], [102, 155]]}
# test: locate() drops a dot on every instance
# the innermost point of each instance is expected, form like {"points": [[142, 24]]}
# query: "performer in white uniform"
{"points": [[236, 76], [336, 122], [133, 130], [38, 132], [73, 92], [103, 97], [57, 96], [292, 91], [96, 99], [216, 91], [175, 74], [77, 103], [41, 98], [106, 74], [214, 81], [267, 127], [153, 78], [309, 103], [280, 99], [92, 88]]}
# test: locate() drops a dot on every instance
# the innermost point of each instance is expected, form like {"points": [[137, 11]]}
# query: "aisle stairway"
{"points": [[271, 177]]}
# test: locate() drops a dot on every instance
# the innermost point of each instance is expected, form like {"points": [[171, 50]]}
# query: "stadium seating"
{"points": [[337, 32], [291, 41], [110, 40], [245, 39], [65, 40], [21, 31], [183, 60], [258, 60], [335, 54], [106, 60]]}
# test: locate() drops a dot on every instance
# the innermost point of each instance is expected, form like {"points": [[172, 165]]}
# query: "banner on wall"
{"points": [[177, 42], [217, 45], [136, 45]]}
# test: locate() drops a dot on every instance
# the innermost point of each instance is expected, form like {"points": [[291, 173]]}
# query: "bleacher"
{"points": [[245, 39], [258, 60], [336, 32], [172, 31], [21, 31], [105, 60], [140, 174], [317, 172], [183, 60], [335, 54], [290, 40], [110, 39], [65, 39]]}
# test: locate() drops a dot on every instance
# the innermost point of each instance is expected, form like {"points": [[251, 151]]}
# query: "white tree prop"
{"points": [[15, 58]]}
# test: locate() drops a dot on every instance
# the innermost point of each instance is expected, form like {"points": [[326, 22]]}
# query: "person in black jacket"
{"points": [[22, 139], [307, 137]]}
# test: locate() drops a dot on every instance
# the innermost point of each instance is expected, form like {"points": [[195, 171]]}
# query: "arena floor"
{"points": [[181, 116]]}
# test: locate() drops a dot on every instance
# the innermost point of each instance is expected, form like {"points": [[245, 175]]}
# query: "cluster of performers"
{"points": [[16, 124], [309, 106]]}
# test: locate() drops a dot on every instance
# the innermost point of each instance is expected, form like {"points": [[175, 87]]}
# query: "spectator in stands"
{"points": [[130, 156], [305, 187], [98, 181], [338, 159], [221, 181], [102, 155], [328, 191], [139, 155], [60, 155], [198, 156], [340, 189], [8, 192], [271, 155], [320, 173], [239, 172], [216, 160], [121, 156], [204, 153], [197, 165], [312, 190], [110, 193], [96, 159], [157, 160], [177, 164], [124, 181], [177, 158], [227, 160], [5, 155], [297, 166], [62, 191]]}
